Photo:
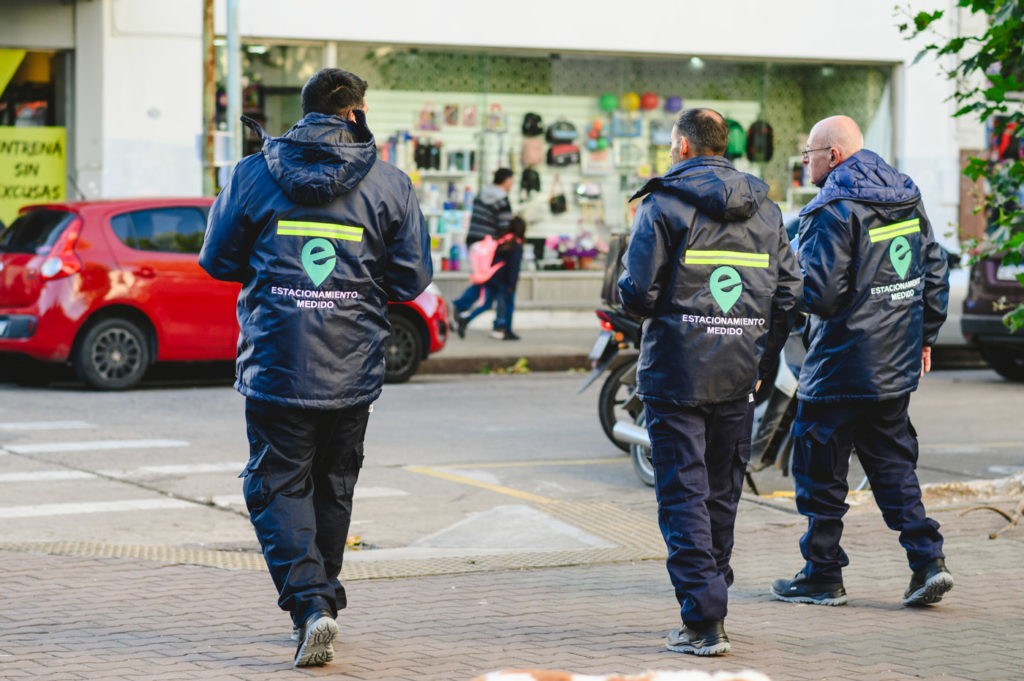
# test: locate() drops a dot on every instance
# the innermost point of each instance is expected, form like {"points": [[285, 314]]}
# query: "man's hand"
{"points": [[926, 359]]}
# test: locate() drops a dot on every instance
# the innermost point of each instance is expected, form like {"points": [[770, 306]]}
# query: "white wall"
{"points": [[152, 97]]}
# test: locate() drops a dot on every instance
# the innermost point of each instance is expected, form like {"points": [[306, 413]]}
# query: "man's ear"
{"points": [[684, 147]]}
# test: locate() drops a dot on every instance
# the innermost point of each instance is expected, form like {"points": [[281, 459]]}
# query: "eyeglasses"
{"points": [[806, 153]]}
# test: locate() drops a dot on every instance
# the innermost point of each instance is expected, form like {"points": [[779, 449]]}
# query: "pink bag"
{"points": [[481, 260]]}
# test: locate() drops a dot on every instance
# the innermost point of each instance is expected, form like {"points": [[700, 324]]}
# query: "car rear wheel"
{"points": [[1007, 363], [403, 350], [113, 355]]}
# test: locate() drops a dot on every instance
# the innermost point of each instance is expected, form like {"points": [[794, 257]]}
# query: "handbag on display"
{"points": [[559, 204], [561, 155]]}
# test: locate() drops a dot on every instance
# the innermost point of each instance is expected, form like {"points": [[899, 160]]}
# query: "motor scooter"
{"points": [[774, 412], [620, 333]]}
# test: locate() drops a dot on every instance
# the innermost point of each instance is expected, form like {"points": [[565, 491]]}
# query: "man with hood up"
{"points": [[875, 284], [321, 236], [711, 270]]}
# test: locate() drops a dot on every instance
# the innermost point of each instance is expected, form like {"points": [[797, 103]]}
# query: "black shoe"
{"points": [[929, 584], [509, 336], [705, 640], [316, 640], [800, 589], [460, 325]]}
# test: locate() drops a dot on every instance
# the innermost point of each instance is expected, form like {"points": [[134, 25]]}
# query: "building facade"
{"points": [[451, 84]]}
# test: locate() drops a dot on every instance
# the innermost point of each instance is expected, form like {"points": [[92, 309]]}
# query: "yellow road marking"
{"points": [[546, 462], [463, 480]]}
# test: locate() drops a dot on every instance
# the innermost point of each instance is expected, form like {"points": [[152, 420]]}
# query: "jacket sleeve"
{"points": [[409, 268], [786, 304], [645, 260], [936, 282], [825, 257], [229, 235]]}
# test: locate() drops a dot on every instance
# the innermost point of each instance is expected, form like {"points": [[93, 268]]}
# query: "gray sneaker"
{"points": [[316, 647], [802, 589], [707, 640], [929, 584]]}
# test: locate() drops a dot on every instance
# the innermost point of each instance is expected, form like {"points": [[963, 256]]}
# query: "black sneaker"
{"points": [[316, 642], [800, 589], [705, 640], [509, 336], [460, 325], [929, 584]]}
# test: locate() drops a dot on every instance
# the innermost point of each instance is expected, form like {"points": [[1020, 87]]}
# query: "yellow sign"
{"points": [[33, 168], [10, 60]]}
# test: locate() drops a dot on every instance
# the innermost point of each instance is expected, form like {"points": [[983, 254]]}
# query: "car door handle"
{"points": [[144, 272]]}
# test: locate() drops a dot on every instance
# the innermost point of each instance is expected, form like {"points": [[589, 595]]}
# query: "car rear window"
{"points": [[176, 229], [35, 231]]}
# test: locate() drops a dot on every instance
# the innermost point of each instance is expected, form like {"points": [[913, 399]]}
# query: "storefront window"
{"points": [[33, 116], [450, 118]]}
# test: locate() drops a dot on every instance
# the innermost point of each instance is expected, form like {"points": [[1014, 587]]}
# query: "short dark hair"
{"points": [[334, 92], [706, 129], [502, 174]]}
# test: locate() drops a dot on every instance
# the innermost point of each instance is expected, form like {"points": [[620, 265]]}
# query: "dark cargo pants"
{"points": [[699, 455], [825, 434], [298, 486]]}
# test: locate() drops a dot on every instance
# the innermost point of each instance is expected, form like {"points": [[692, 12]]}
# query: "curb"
{"points": [[489, 364]]}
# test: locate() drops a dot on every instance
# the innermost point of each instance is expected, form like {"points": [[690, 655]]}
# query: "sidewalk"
{"points": [[550, 340], [73, 617]]}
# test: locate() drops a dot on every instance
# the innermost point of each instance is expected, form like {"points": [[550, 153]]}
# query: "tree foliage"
{"points": [[988, 71]]}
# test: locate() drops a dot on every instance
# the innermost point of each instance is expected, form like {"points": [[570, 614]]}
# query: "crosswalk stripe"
{"points": [[41, 510], [46, 476], [45, 425], [360, 493], [94, 445], [179, 469]]}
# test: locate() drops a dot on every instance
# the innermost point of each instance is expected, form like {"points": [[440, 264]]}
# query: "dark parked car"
{"points": [[994, 290], [111, 287]]}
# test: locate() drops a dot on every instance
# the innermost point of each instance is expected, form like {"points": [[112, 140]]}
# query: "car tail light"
{"points": [[62, 260]]}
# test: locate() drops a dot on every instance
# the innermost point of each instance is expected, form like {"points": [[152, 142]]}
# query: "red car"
{"points": [[112, 287]]}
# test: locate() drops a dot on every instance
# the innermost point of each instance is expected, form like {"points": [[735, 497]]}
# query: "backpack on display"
{"points": [[561, 155], [760, 142], [530, 182], [533, 125], [561, 131], [737, 145], [533, 151]]}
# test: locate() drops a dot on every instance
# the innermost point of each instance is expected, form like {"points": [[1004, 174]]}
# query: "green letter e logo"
{"points": [[726, 287], [899, 254], [318, 259]]}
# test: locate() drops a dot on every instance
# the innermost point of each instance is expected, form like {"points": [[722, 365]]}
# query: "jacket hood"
{"points": [[491, 193], [713, 186], [865, 177], [320, 157]]}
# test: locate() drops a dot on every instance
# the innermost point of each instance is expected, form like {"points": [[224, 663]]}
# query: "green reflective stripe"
{"points": [[737, 258], [894, 230], [326, 230]]}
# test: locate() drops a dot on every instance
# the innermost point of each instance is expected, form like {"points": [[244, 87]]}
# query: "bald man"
{"points": [[875, 285]]}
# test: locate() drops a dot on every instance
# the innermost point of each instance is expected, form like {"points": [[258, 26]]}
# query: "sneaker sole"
{"points": [[317, 649], [838, 600], [703, 651], [932, 591]]}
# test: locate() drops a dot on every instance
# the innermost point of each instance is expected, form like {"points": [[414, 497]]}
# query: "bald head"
{"points": [[832, 141], [840, 132]]}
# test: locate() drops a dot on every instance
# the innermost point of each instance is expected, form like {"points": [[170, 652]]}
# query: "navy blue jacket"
{"points": [[710, 268], [321, 236], [875, 283]]}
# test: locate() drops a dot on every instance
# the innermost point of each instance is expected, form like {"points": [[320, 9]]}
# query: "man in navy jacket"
{"points": [[321, 236], [875, 283], [710, 269]]}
